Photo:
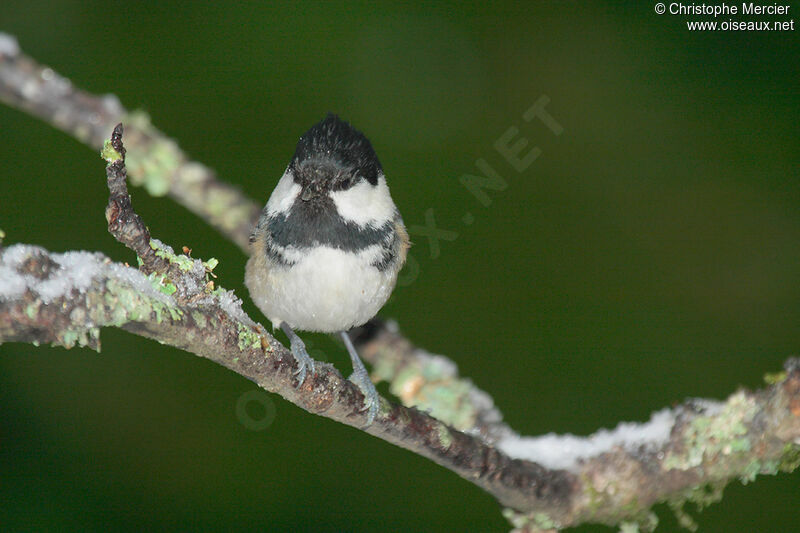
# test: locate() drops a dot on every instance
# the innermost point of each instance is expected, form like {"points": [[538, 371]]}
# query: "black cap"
{"points": [[333, 141]]}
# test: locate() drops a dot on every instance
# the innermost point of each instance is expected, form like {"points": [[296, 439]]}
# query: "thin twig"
{"points": [[123, 222]]}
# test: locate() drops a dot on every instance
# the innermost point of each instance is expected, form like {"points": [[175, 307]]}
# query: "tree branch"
{"points": [[550, 482], [64, 299], [684, 454]]}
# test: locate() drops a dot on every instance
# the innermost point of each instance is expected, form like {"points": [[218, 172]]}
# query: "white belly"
{"points": [[328, 290]]}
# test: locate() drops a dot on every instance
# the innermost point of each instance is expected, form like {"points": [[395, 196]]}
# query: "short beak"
{"points": [[310, 191]]}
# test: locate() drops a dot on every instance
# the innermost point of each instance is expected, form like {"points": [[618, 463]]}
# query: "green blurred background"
{"points": [[651, 253]]}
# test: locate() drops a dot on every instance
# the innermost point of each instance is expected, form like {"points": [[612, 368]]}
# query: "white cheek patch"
{"points": [[364, 203], [284, 195]]}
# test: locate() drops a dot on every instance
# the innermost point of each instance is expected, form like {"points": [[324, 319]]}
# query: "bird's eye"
{"points": [[344, 182]]}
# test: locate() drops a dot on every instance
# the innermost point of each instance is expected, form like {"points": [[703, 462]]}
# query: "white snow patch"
{"points": [[77, 271], [8, 45], [73, 271], [137, 281], [231, 304], [707, 407], [566, 451], [484, 404], [166, 248]]}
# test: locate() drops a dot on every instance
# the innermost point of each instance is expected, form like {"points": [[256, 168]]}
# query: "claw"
{"points": [[304, 363], [298, 348], [372, 401], [360, 377]]}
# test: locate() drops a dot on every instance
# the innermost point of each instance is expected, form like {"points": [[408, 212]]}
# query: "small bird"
{"points": [[328, 245]]}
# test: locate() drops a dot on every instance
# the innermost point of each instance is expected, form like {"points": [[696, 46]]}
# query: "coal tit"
{"points": [[329, 244]]}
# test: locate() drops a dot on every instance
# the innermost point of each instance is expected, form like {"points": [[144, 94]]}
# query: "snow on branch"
{"points": [[684, 454]]}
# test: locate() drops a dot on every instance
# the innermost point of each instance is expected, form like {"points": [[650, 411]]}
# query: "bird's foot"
{"points": [[304, 361], [360, 377], [372, 401]]}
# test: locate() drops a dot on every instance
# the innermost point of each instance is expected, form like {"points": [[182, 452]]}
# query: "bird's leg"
{"points": [[304, 361], [361, 378]]}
